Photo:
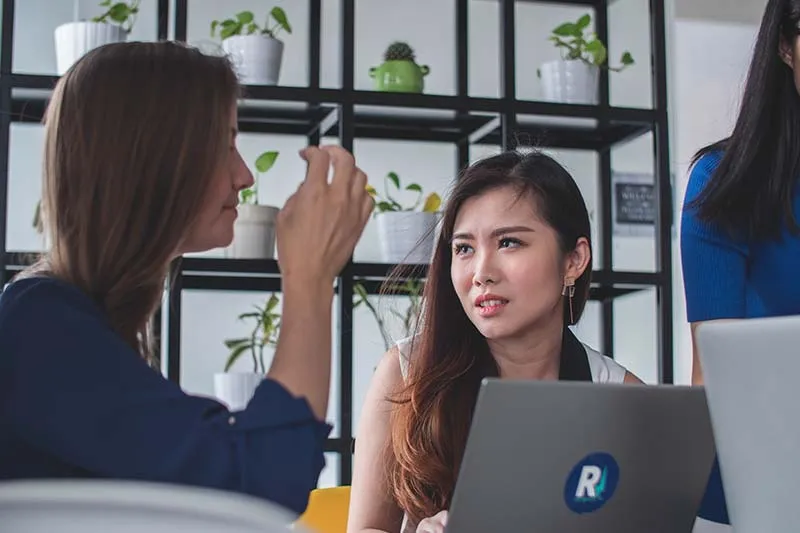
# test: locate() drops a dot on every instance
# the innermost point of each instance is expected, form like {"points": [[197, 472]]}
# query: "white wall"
{"points": [[209, 317]]}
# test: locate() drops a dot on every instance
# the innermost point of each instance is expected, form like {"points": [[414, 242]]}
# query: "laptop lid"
{"points": [[582, 457], [750, 368]]}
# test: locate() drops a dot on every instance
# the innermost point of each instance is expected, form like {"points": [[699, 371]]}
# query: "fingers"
{"points": [[344, 167], [359, 185], [319, 161]]}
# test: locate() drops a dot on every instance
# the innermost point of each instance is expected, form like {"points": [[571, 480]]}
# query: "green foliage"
{"points": [[244, 23], [388, 203], [412, 288], [266, 326], [399, 51], [575, 45], [121, 13], [264, 163], [37, 218]]}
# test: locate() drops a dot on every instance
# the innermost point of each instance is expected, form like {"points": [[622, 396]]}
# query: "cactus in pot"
{"points": [[399, 71]]}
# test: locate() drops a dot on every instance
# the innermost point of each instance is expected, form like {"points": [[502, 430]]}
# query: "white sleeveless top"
{"points": [[603, 368]]}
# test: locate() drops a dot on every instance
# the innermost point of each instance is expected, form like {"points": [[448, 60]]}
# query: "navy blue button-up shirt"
{"points": [[77, 401]]}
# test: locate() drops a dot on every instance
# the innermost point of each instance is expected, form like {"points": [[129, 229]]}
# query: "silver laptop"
{"points": [[750, 368], [583, 457]]}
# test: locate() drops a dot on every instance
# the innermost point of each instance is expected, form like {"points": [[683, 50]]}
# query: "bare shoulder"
{"points": [[632, 378]]}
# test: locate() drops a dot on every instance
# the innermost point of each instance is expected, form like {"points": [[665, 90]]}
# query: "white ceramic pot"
{"points": [[407, 236], [257, 58], [235, 389], [570, 82], [74, 39], [254, 232]]}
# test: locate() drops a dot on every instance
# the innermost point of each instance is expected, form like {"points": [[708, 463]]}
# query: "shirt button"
{"points": [[232, 420]]}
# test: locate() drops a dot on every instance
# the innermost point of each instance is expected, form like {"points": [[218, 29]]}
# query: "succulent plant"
{"points": [[399, 51]]}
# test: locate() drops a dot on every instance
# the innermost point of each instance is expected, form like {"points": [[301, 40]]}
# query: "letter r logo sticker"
{"points": [[587, 483]]}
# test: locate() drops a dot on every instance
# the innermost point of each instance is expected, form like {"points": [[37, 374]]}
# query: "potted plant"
{"points": [[574, 78], [406, 234], [399, 71], [256, 51], [254, 229], [412, 288], [74, 39], [235, 389]]}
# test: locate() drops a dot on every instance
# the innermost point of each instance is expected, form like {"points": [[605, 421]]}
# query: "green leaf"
{"points": [[105, 3], [272, 303], [252, 28], [597, 51], [414, 187], [583, 22], [245, 17], [229, 28], [119, 12], [248, 196], [235, 354], [359, 289], [214, 24], [233, 343], [394, 178], [249, 315], [280, 17], [265, 161], [627, 59], [383, 206], [567, 29]]}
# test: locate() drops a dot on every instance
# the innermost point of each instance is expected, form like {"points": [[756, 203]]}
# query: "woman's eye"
{"points": [[508, 242], [460, 248]]}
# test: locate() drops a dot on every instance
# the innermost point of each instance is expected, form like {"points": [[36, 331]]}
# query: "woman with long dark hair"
{"points": [[739, 236], [511, 271], [140, 167]]}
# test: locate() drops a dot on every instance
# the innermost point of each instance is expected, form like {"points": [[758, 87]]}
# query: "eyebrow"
{"points": [[496, 233]]}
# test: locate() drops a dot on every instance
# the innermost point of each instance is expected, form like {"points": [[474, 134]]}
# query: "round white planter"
{"points": [[74, 39], [570, 82], [257, 58], [254, 232], [407, 236], [235, 389]]}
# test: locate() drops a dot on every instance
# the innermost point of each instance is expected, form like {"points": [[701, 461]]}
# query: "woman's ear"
{"points": [[786, 52], [578, 260]]}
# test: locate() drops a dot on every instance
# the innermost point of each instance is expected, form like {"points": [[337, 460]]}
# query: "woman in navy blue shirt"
{"points": [[740, 237], [141, 166]]}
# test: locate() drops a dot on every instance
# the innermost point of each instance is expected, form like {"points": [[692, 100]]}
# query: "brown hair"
{"points": [[434, 409], [134, 135]]}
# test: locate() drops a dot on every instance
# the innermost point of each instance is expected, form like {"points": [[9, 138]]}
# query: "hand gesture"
{"points": [[321, 223], [434, 524]]}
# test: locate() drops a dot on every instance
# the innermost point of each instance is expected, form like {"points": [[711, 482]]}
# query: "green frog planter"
{"points": [[399, 72]]}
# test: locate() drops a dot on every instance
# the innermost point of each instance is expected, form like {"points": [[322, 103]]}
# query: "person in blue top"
{"points": [[740, 238], [140, 167]]}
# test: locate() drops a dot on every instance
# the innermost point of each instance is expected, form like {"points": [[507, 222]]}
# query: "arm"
{"points": [[71, 388], [302, 362], [714, 265], [372, 509]]}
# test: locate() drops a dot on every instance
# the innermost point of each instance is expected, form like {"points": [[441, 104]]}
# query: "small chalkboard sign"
{"points": [[634, 204]]}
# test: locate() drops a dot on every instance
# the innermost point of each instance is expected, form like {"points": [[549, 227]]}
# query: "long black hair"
{"points": [[751, 191], [432, 419]]}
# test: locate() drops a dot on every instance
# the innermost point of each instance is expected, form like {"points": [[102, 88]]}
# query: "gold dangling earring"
{"points": [[569, 284]]}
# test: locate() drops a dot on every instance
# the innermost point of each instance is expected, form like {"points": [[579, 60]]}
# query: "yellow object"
{"points": [[432, 203], [327, 510]]}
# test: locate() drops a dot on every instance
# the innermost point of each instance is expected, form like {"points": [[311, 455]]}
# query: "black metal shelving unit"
{"points": [[470, 121]]}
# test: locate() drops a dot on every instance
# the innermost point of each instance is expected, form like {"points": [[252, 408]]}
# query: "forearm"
{"points": [[302, 360]]}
